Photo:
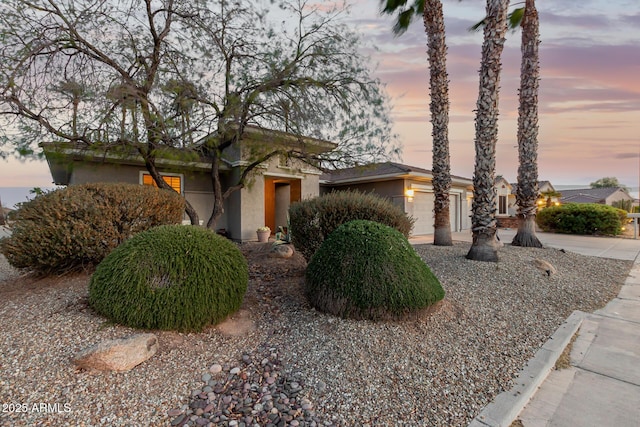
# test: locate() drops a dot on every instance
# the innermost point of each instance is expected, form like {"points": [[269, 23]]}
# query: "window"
{"points": [[502, 205], [174, 181]]}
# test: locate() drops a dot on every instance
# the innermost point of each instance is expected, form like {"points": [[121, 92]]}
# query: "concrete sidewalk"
{"points": [[605, 247], [602, 387]]}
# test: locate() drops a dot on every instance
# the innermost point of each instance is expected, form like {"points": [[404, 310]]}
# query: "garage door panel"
{"points": [[423, 213]]}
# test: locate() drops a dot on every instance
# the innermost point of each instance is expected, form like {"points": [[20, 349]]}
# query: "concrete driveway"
{"points": [[605, 247]]}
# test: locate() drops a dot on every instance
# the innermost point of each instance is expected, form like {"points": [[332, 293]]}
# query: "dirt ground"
{"points": [[264, 270]]}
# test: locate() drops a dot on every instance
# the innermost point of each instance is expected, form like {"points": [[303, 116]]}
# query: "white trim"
{"points": [[421, 187], [311, 172], [283, 175]]}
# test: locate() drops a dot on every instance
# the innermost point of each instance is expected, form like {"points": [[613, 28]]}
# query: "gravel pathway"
{"points": [[299, 366]]}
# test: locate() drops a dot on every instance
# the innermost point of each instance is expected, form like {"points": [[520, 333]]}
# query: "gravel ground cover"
{"points": [[297, 366]]}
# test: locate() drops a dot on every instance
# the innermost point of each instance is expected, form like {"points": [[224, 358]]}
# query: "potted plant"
{"points": [[263, 234]]}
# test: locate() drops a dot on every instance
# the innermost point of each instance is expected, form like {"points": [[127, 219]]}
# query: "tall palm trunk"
{"points": [[527, 192], [439, 107], [485, 244]]}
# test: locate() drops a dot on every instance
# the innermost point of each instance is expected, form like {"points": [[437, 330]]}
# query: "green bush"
{"points": [[582, 218], [76, 227], [367, 270], [314, 219], [173, 277]]}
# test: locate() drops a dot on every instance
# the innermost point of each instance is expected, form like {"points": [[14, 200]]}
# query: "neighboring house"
{"points": [[408, 187], [265, 201], [603, 196], [505, 197], [506, 200]]}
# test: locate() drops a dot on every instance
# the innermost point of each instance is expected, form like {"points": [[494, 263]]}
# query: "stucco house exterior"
{"points": [[408, 187], [265, 201]]}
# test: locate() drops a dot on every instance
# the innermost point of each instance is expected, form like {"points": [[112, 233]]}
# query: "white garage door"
{"points": [[453, 212], [423, 213]]}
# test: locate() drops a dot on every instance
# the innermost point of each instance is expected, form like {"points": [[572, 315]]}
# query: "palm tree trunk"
{"points": [[485, 244], [439, 108], [527, 191]]}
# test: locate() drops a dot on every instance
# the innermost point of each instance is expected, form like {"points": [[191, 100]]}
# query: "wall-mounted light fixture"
{"points": [[409, 193]]}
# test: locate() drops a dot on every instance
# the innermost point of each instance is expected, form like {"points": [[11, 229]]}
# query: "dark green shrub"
{"points": [[173, 277], [582, 218], [314, 219], [76, 227], [369, 270]]}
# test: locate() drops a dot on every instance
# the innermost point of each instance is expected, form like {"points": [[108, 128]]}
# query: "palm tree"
{"points": [[485, 244], [527, 192], [433, 17]]}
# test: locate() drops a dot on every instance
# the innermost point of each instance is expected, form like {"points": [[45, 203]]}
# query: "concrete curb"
{"points": [[504, 409]]}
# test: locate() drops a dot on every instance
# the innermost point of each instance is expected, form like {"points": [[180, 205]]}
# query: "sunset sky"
{"points": [[589, 91]]}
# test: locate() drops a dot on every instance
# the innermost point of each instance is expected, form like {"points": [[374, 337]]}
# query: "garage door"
{"points": [[453, 212], [423, 213]]}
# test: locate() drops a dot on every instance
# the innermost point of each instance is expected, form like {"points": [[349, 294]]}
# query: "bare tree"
{"points": [[184, 80]]}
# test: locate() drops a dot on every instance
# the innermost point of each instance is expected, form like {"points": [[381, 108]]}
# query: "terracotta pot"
{"points": [[263, 236]]}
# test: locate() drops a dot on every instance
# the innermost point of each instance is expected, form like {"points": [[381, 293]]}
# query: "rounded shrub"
{"points": [[367, 270], [173, 277], [312, 220], [582, 218], [77, 226]]}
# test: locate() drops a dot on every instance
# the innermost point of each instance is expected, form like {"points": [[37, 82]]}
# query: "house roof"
{"points": [[589, 195], [61, 154], [381, 172], [514, 186]]}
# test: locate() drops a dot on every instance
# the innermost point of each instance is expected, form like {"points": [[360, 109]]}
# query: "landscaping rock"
{"points": [[281, 251], [545, 266], [118, 355]]}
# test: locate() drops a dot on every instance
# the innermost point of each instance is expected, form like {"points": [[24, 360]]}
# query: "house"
{"points": [[264, 201], [408, 187], [604, 196], [507, 205], [505, 197]]}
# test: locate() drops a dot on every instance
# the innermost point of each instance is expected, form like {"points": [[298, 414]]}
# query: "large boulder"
{"points": [[118, 355]]}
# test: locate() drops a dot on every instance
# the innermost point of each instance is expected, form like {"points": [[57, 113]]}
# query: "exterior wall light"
{"points": [[409, 192]]}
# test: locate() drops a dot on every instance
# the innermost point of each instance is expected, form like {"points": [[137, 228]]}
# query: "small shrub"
{"points": [[173, 277], [369, 270], [314, 219], [76, 227], [582, 218]]}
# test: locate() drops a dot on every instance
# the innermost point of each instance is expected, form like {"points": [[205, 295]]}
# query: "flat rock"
{"points": [[545, 266], [281, 251], [118, 355]]}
